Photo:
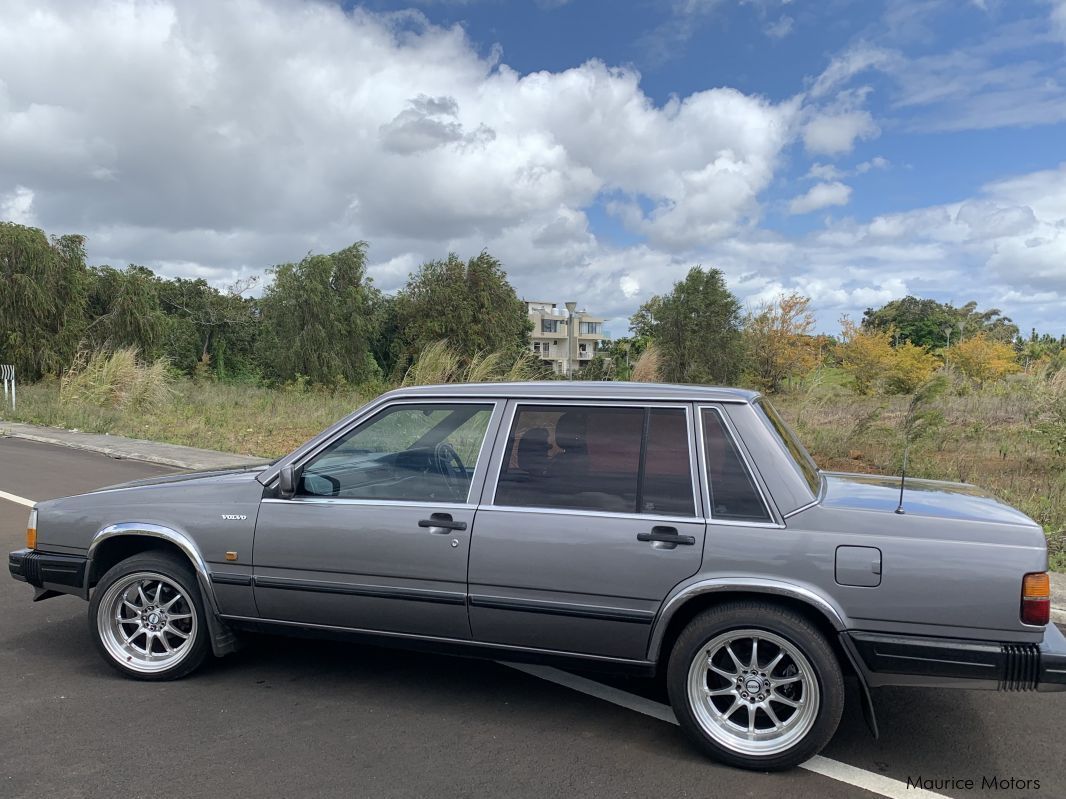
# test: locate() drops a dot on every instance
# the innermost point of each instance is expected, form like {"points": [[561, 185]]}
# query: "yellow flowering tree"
{"points": [[865, 355], [983, 359]]}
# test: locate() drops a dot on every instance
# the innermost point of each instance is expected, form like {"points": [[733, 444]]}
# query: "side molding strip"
{"points": [[382, 591], [563, 609]]}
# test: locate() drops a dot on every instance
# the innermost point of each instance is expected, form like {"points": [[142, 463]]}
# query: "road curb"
{"points": [[122, 448]]}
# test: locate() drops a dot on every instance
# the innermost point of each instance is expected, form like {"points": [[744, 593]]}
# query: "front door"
{"points": [[592, 521], [378, 533]]}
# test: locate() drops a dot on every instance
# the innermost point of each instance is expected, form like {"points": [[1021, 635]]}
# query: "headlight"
{"points": [[31, 530]]}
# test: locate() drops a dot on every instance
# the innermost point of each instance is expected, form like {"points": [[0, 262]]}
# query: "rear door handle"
{"points": [[667, 535], [441, 523]]}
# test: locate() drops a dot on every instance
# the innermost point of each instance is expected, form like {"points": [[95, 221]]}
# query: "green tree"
{"points": [[209, 327], [43, 284], [935, 325], [696, 329], [471, 305], [922, 322], [124, 310], [318, 319]]}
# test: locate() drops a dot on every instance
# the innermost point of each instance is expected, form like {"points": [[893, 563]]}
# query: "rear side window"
{"points": [[733, 493], [611, 459]]}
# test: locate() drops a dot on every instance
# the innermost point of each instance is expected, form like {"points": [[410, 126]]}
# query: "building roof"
{"points": [[583, 389]]}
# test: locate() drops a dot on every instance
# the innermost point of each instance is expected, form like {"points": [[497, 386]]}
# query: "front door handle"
{"points": [[666, 535], [441, 523]]}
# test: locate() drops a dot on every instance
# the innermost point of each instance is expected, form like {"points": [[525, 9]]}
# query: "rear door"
{"points": [[588, 519], [378, 534]]}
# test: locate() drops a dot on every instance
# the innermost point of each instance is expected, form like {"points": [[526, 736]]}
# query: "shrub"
{"points": [[117, 380], [910, 367]]}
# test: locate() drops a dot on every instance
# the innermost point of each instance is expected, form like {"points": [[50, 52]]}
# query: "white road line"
{"points": [[834, 769], [20, 500]]}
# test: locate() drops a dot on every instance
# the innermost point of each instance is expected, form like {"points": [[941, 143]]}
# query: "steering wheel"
{"points": [[451, 467]]}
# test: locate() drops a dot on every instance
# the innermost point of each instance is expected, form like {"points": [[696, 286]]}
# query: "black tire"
{"points": [[180, 579], [775, 620]]}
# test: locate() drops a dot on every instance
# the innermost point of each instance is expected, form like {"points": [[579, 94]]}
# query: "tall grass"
{"points": [[646, 369], [116, 379], [439, 363]]}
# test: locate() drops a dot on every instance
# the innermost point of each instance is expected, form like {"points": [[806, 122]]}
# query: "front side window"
{"points": [[611, 459], [549, 325], [414, 452], [733, 493]]}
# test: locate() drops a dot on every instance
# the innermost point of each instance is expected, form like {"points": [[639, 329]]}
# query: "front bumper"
{"points": [[49, 571], [953, 663]]}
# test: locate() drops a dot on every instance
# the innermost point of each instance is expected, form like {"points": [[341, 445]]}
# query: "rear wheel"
{"points": [[755, 685], [147, 619]]}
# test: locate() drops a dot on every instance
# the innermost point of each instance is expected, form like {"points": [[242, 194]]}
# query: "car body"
{"points": [[621, 526]]}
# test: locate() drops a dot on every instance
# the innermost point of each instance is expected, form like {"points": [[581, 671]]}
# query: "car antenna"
{"points": [[903, 478]]}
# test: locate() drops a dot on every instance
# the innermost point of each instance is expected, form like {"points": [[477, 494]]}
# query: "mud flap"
{"points": [[864, 689]]}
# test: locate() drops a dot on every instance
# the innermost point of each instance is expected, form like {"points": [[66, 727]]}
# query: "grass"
{"points": [[1003, 440], [243, 419], [995, 439]]}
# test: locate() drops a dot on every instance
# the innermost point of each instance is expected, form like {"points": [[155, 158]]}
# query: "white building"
{"points": [[564, 338]]}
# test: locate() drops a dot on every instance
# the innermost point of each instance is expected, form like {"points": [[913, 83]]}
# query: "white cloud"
{"points": [[17, 206], [780, 28], [233, 144], [1058, 18], [211, 139], [835, 133], [821, 195]]}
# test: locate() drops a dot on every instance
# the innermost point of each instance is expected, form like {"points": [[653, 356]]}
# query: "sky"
{"points": [[854, 151]]}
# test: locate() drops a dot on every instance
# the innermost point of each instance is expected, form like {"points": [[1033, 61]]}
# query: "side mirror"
{"points": [[287, 478]]}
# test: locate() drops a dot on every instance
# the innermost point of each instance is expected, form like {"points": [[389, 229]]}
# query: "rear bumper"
{"points": [[50, 571], [954, 663]]}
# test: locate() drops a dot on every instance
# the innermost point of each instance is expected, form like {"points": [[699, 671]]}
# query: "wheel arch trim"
{"points": [[169, 534], [724, 585]]}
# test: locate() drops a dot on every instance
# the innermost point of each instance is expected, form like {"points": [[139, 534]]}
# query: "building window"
{"points": [[549, 325], [591, 328]]}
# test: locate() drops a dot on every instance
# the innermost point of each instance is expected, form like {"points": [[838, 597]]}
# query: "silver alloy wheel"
{"points": [[147, 622], [753, 692]]}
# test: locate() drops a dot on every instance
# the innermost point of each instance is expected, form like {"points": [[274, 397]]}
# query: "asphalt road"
{"points": [[298, 718]]}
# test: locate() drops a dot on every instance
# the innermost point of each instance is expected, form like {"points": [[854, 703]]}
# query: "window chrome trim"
{"points": [[604, 514], [753, 474], [508, 423], [800, 509], [377, 408], [394, 503]]}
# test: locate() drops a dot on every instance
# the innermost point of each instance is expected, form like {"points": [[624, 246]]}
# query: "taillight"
{"points": [[31, 530], [1036, 598]]}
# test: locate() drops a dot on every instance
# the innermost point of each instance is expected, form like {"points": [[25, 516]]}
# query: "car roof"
{"points": [[582, 389]]}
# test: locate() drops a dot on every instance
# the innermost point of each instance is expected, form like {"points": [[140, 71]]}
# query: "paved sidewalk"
{"points": [[205, 459], [131, 448]]}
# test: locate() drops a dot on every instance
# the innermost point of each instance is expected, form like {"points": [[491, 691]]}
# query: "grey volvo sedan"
{"points": [[636, 527]]}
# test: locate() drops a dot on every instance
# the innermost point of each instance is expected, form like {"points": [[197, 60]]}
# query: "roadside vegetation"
{"points": [[126, 352]]}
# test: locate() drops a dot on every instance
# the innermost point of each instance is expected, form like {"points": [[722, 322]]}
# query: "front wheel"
{"points": [[755, 685], [147, 618]]}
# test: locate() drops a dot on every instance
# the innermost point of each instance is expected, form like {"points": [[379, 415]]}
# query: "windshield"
{"points": [[807, 467]]}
